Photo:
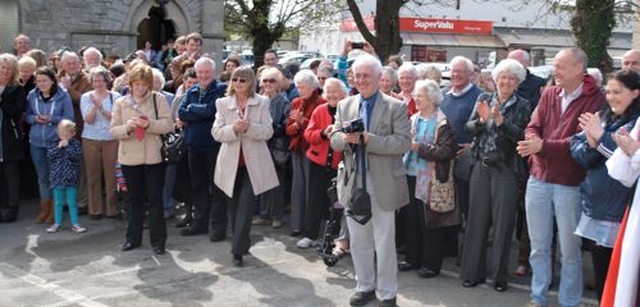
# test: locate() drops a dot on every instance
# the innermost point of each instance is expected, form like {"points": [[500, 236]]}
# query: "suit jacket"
{"points": [[389, 139], [262, 172]]}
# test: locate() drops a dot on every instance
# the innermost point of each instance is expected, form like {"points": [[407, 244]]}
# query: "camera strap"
{"points": [[362, 161]]}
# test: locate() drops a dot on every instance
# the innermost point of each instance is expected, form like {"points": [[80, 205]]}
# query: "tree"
{"points": [[592, 24], [266, 21], [387, 39]]}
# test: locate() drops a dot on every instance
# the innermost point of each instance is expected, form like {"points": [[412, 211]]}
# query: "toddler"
{"points": [[65, 155]]}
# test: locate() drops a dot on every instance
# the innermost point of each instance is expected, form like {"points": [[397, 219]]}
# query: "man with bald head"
{"points": [[553, 189], [631, 60], [531, 88]]}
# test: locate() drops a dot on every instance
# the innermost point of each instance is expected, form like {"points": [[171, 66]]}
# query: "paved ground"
{"points": [[67, 269]]}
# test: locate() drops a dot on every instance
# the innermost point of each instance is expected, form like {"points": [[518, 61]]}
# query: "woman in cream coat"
{"points": [[244, 168]]}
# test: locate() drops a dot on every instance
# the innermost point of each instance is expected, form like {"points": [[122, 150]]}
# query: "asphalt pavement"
{"points": [[69, 269]]}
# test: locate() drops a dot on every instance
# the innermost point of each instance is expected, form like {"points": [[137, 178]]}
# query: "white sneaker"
{"points": [[304, 243], [54, 228], [77, 228]]}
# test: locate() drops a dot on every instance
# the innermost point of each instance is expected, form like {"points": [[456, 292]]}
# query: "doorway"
{"points": [[155, 28]]}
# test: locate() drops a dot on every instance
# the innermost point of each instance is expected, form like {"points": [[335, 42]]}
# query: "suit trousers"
{"points": [[241, 207], [100, 158], [373, 250], [299, 188], [494, 190], [146, 181], [209, 201]]}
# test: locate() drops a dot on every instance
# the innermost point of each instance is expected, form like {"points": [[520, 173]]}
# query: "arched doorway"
{"points": [[155, 28]]}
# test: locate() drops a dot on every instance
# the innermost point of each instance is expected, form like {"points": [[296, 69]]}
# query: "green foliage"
{"points": [[592, 23]]}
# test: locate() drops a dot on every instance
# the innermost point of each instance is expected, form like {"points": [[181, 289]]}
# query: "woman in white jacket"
{"points": [[244, 168]]}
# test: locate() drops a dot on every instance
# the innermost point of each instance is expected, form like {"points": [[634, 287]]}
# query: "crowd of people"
{"points": [[416, 162]]}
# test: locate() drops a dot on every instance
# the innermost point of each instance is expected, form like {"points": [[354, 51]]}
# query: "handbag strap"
{"points": [[362, 161], [155, 105]]}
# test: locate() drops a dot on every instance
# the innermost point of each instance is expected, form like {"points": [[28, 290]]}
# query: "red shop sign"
{"points": [[451, 26]]}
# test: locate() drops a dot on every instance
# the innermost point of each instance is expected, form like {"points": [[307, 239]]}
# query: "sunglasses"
{"points": [[269, 80], [241, 80]]}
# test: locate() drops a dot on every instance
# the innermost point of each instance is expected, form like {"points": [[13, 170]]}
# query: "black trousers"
{"points": [[318, 202], [495, 198], [10, 176], [146, 182], [425, 246], [601, 257], [241, 207], [209, 201]]}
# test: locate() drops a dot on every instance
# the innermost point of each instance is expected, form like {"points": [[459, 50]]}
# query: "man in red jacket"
{"points": [[553, 187]]}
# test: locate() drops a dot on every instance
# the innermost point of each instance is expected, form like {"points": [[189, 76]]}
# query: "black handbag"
{"points": [[360, 201], [173, 147]]}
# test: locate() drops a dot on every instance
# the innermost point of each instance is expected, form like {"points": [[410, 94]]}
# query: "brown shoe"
{"points": [[45, 211]]}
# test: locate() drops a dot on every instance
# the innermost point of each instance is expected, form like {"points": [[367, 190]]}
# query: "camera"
{"points": [[357, 45], [354, 126]]}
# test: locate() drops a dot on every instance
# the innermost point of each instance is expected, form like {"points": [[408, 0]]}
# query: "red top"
{"points": [[318, 142], [411, 107], [554, 164], [296, 132]]}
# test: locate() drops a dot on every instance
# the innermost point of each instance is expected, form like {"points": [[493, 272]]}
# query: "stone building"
{"points": [[115, 26]]}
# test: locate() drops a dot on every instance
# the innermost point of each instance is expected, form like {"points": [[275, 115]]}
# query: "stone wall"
{"points": [[112, 24]]}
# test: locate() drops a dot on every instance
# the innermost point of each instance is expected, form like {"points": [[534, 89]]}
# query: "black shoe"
{"points": [[82, 210], [362, 298], [116, 216], [191, 231], [95, 217], [217, 238], [427, 273], [388, 303], [159, 250], [470, 283], [127, 246], [184, 223], [237, 260], [500, 287], [404, 266]]}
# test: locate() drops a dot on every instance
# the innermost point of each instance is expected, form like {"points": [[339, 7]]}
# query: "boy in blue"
{"points": [[64, 156]]}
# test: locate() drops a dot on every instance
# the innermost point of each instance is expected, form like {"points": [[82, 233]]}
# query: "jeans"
{"points": [[70, 194], [543, 201], [41, 163]]}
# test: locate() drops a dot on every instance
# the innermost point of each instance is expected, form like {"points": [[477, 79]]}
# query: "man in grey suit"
{"points": [[387, 137]]}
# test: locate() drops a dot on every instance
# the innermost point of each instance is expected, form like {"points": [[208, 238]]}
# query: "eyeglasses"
{"points": [[241, 80], [322, 78], [269, 80]]}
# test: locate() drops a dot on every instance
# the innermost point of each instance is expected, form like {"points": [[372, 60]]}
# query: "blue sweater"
{"points": [[458, 110], [59, 107], [64, 163], [602, 197], [199, 115]]}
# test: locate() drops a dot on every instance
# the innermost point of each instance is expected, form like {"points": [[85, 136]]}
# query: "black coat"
{"points": [[531, 88], [12, 105]]}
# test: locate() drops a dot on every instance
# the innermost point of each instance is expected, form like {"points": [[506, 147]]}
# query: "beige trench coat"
{"points": [[262, 172]]}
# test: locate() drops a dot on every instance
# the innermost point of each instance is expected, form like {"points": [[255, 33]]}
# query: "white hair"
{"points": [[92, 50], [69, 55], [307, 77], [430, 88], [337, 81], [461, 59], [205, 61], [407, 68], [596, 74], [27, 61], [367, 60], [509, 65], [392, 73], [159, 78]]}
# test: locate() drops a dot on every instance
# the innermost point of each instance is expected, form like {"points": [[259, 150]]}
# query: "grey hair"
{"points": [[306, 76], [337, 81], [596, 74], [100, 71], [509, 65], [92, 50], [27, 61], [158, 76], [432, 72], [458, 59], [430, 88], [407, 68], [521, 56], [392, 73], [69, 54], [205, 61], [367, 60]]}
